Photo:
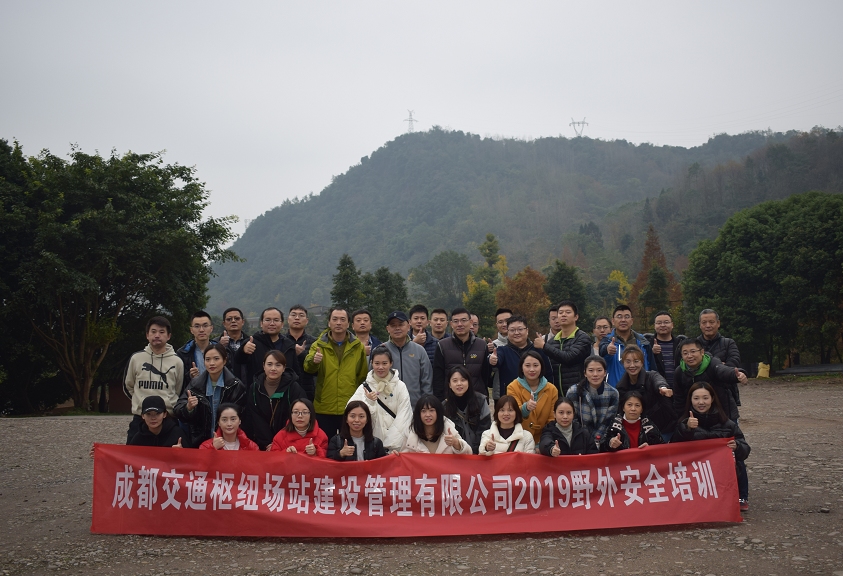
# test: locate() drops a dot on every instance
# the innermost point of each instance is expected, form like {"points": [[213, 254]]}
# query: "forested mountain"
{"points": [[426, 192]]}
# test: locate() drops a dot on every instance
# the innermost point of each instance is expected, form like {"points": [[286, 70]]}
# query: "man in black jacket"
{"points": [[463, 348], [233, 338], [297, 321], [665, 346], [269, 338], [716, 344], [568, 349]]}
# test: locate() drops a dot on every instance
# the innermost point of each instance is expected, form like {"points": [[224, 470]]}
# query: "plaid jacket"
{"points": [[595, 413]]}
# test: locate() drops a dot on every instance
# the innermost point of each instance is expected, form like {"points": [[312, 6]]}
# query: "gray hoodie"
{"points": [[413, 367]]}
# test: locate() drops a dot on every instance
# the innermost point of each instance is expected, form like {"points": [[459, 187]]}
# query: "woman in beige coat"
{"points": [[431, 432]]}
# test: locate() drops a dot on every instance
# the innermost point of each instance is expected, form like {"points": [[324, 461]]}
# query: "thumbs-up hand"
{"points": [[178, 444], [491, 445], [371, 394], [225, 338], [493, 357], [452, 441], [368, 348], [346, 450], [664, 391], [310, 449], [531, 404], [741, 376], [219, 443], [555, 451], [612, 348], [692, 422], [192, 401], [299, 349], [539, 341], [421, 338], [615, 443], [317, 358], [194, 372], [249, 347], [490, 346], [657, 348]]}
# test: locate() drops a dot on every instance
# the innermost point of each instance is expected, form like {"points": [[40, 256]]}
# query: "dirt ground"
{"points": [[794, 525]]}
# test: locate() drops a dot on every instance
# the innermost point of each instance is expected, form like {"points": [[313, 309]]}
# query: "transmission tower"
{"points": [[410, 121], [581, 125]]}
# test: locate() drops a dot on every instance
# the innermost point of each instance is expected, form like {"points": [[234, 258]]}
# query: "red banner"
{"points": [[168, 491]]}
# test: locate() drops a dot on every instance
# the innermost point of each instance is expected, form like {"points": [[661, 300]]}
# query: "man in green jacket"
{"points": [[339, 361]]}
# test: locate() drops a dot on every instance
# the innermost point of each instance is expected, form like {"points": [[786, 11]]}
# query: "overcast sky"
{"points": [[270, 99]]}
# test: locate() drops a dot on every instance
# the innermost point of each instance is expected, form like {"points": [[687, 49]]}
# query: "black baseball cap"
{"points": [[153, 404], [397, 314]]}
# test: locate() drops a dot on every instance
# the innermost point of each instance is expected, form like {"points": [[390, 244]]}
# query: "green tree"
{"points": [[347, 291], [95, 244], [654, 297], [480, 300], [384, 292], [441, 281], [775, 275], [490, 271], [564, 283]]}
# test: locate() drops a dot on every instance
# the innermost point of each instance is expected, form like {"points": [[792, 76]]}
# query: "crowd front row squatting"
{"points": [[346, 396]]}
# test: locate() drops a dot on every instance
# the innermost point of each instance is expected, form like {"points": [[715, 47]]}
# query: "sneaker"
{"points": [[744, 504]]}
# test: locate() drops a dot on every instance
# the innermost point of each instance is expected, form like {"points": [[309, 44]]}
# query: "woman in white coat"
{"points": [[506, 433], [432, 432], [387, 399]]}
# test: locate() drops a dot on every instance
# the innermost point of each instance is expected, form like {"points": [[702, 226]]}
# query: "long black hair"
{"points": [[474, 407], [345, 430], [715, 401], [417, 426]]}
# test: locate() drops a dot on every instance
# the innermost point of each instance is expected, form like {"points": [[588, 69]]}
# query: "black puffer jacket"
{"points": [[657, 408], [168, 437], [710, 426], [471, 429], [721, 377], [264, 417], [371, 449], [581, 441], [264, 344], [726, 350], [569, 354], [201, 420], [649, 434]]}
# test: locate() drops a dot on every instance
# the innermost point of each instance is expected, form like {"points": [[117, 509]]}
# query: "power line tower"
{"points": [[410, 121], [581, 125]]}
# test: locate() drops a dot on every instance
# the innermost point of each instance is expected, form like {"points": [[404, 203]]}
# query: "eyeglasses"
{"points": [[272, 321], [233, 319], [298, 315], [627, 317], [517, 330], [461, 321], [201, 326], [299, 413]]}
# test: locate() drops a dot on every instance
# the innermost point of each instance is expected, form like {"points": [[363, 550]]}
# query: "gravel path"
{"points": [[793, 527]]}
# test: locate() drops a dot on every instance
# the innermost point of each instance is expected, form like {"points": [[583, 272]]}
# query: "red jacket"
{"points": [[284, 440], [245, 443]]}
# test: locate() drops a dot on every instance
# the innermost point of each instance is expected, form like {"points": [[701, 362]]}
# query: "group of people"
{"points": [[344, 395]]}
